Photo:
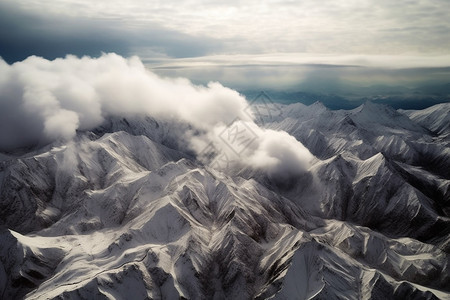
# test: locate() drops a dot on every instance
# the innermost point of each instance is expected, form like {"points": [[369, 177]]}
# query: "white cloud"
{"points": [[44, 100], [245, 144], [62, 124]]}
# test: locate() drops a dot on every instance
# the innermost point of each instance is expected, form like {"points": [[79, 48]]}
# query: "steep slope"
{"points": [[165, 231], [435, 118], [410, 151], [38, 189], [125, 212]]}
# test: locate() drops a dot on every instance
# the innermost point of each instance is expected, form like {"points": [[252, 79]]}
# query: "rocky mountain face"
{"points": [[123, 212]]}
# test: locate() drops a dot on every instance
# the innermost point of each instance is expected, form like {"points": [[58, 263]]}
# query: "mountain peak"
{"points": [[370, 113], [318, 105]]}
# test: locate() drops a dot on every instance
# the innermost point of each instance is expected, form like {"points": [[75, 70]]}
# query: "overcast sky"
{"points": [[274, 43]]}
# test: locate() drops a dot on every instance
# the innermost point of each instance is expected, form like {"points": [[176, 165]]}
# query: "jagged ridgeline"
{"points": [[122, 212]]}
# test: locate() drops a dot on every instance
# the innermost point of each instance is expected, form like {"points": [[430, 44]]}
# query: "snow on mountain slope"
{"points": [[435, 118], [376, 165], [124, 212], [37, 189], [166, 232]]}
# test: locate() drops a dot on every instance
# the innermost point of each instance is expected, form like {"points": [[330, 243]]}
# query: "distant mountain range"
{"points": [[397, 97]]}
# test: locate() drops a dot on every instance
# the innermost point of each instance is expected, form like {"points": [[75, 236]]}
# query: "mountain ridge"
{"points": [[125, 210]]}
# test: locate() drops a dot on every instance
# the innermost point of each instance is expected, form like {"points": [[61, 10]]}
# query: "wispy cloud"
{"points": [[323, 73], [292, 59]]}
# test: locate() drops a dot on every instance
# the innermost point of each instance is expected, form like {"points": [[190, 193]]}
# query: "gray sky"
{"points": [[274, 43]]}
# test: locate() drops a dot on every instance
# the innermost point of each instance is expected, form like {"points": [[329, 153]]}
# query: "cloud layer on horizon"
{"points": [[42, 101], [349, 76]]}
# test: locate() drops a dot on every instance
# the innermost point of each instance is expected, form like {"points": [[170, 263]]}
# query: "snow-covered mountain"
{"points": [[124, 212]]}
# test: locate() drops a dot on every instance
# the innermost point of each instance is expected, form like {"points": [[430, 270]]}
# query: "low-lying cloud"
{"points": [[42, 101]]}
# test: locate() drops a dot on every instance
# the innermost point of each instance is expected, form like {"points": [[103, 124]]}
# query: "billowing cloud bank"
{"points": [[42, 100]]}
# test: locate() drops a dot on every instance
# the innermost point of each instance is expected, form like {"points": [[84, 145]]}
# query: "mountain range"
{"points": [[125, 211]]}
